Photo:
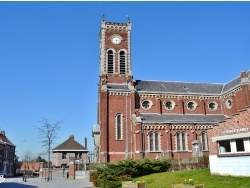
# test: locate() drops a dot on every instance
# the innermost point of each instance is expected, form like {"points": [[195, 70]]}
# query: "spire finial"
{"points": [[103, 16], [128, 18]]}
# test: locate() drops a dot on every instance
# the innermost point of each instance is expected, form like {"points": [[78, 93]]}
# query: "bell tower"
{"points": [[115, 56], [116, 91]]}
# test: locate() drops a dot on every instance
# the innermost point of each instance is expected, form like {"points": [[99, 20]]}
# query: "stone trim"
{"points": [[230, 137]]}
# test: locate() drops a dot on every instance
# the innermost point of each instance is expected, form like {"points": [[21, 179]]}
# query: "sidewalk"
{"points": [[57, 181]]}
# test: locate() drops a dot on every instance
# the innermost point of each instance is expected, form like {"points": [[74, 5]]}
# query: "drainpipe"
{"points": [[126, 150], [143, 142]]}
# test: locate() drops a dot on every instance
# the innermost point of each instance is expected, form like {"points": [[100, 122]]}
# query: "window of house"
{"points": [[110, 61], [169, 105], [119, 127], [122, 62], [212, 106], [239, 145], [181, 141], [229, 103], [204, 141], [191, 105], [153, 141], [146, 104], [64, 155]]}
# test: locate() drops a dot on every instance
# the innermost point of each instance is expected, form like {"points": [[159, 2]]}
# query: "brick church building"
{"points": [[156, 119]]}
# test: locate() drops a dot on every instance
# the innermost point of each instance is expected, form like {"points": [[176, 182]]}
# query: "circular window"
{"points": [[169, 105], [146, 104], [212, 106], [229, 103], [191, 105]]}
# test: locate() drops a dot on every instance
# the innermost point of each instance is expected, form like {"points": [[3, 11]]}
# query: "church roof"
{"points": [[179, 118], [178, 87], [172, 87], [232, 84], [69, 145]]}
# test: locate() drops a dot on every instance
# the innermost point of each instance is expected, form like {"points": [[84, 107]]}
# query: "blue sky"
{"points": [[49, 57]]}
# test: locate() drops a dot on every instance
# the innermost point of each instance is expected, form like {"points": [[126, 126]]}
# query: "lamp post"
{"points": [[48, 163]]}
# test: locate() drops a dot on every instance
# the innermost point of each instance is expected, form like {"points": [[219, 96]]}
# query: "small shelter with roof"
{"points": [[69, 150]]}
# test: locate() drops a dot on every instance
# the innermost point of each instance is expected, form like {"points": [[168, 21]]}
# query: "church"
{"points": [[157, 119]]}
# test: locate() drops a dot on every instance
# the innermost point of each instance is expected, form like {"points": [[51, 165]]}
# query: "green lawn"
{"points": [[166, 179]]}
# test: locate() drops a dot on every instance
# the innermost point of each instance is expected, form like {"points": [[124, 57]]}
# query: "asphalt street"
{"points": [[58, 181]]}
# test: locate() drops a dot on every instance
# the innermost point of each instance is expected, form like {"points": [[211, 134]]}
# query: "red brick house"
{"points": [[229, 145], [68, 151], [7, 155], [31, 166], [156, 119]]}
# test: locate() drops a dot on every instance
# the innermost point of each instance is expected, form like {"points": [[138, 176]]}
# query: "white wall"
{"points": [[234, 166]]}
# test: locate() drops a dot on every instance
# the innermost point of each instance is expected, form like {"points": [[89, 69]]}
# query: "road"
{"points": [[58, 181]]}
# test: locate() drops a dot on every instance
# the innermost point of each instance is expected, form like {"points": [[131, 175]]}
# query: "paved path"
{"points": [[58, 181]]}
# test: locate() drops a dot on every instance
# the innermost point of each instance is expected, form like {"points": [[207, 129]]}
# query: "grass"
{"points": [[166, 179]]}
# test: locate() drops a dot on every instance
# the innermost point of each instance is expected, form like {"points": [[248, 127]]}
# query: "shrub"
{"points": [[112, 174], [93, 176]]}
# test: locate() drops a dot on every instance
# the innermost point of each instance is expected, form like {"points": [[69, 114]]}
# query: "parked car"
{"points": [[3, 173]]}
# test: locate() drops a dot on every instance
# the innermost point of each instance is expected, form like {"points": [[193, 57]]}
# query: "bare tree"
{"points": [[48, 133], [28, 158]]}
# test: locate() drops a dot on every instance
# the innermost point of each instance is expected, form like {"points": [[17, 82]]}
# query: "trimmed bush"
{"points": [[111, 175]]}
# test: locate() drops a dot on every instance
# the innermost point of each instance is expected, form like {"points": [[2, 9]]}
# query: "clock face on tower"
{"points": [[116, 39]]}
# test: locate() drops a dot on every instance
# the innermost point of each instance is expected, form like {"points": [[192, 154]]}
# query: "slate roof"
{"points": [[70, 144], [117, 86], [4, 139], [178, 118], [180, 87], [232, 84]]}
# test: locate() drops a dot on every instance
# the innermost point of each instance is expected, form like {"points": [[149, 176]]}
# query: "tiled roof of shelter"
{"points": [[178, 118], [70, 144]]}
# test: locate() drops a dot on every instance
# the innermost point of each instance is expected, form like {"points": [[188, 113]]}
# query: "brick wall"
{"points": [[71, 171], [241, 120]]}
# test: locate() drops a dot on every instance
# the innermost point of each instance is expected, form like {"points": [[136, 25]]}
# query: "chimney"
{"points": [[86, 143]]}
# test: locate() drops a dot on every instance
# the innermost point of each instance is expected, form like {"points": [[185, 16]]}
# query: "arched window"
{"points": [[110, 61], [122, 62], [181, 141], [153, 141], [119, 127], [203, 138]]}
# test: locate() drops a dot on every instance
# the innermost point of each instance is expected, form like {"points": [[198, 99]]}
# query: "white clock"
{"points": [[116, 39]]}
